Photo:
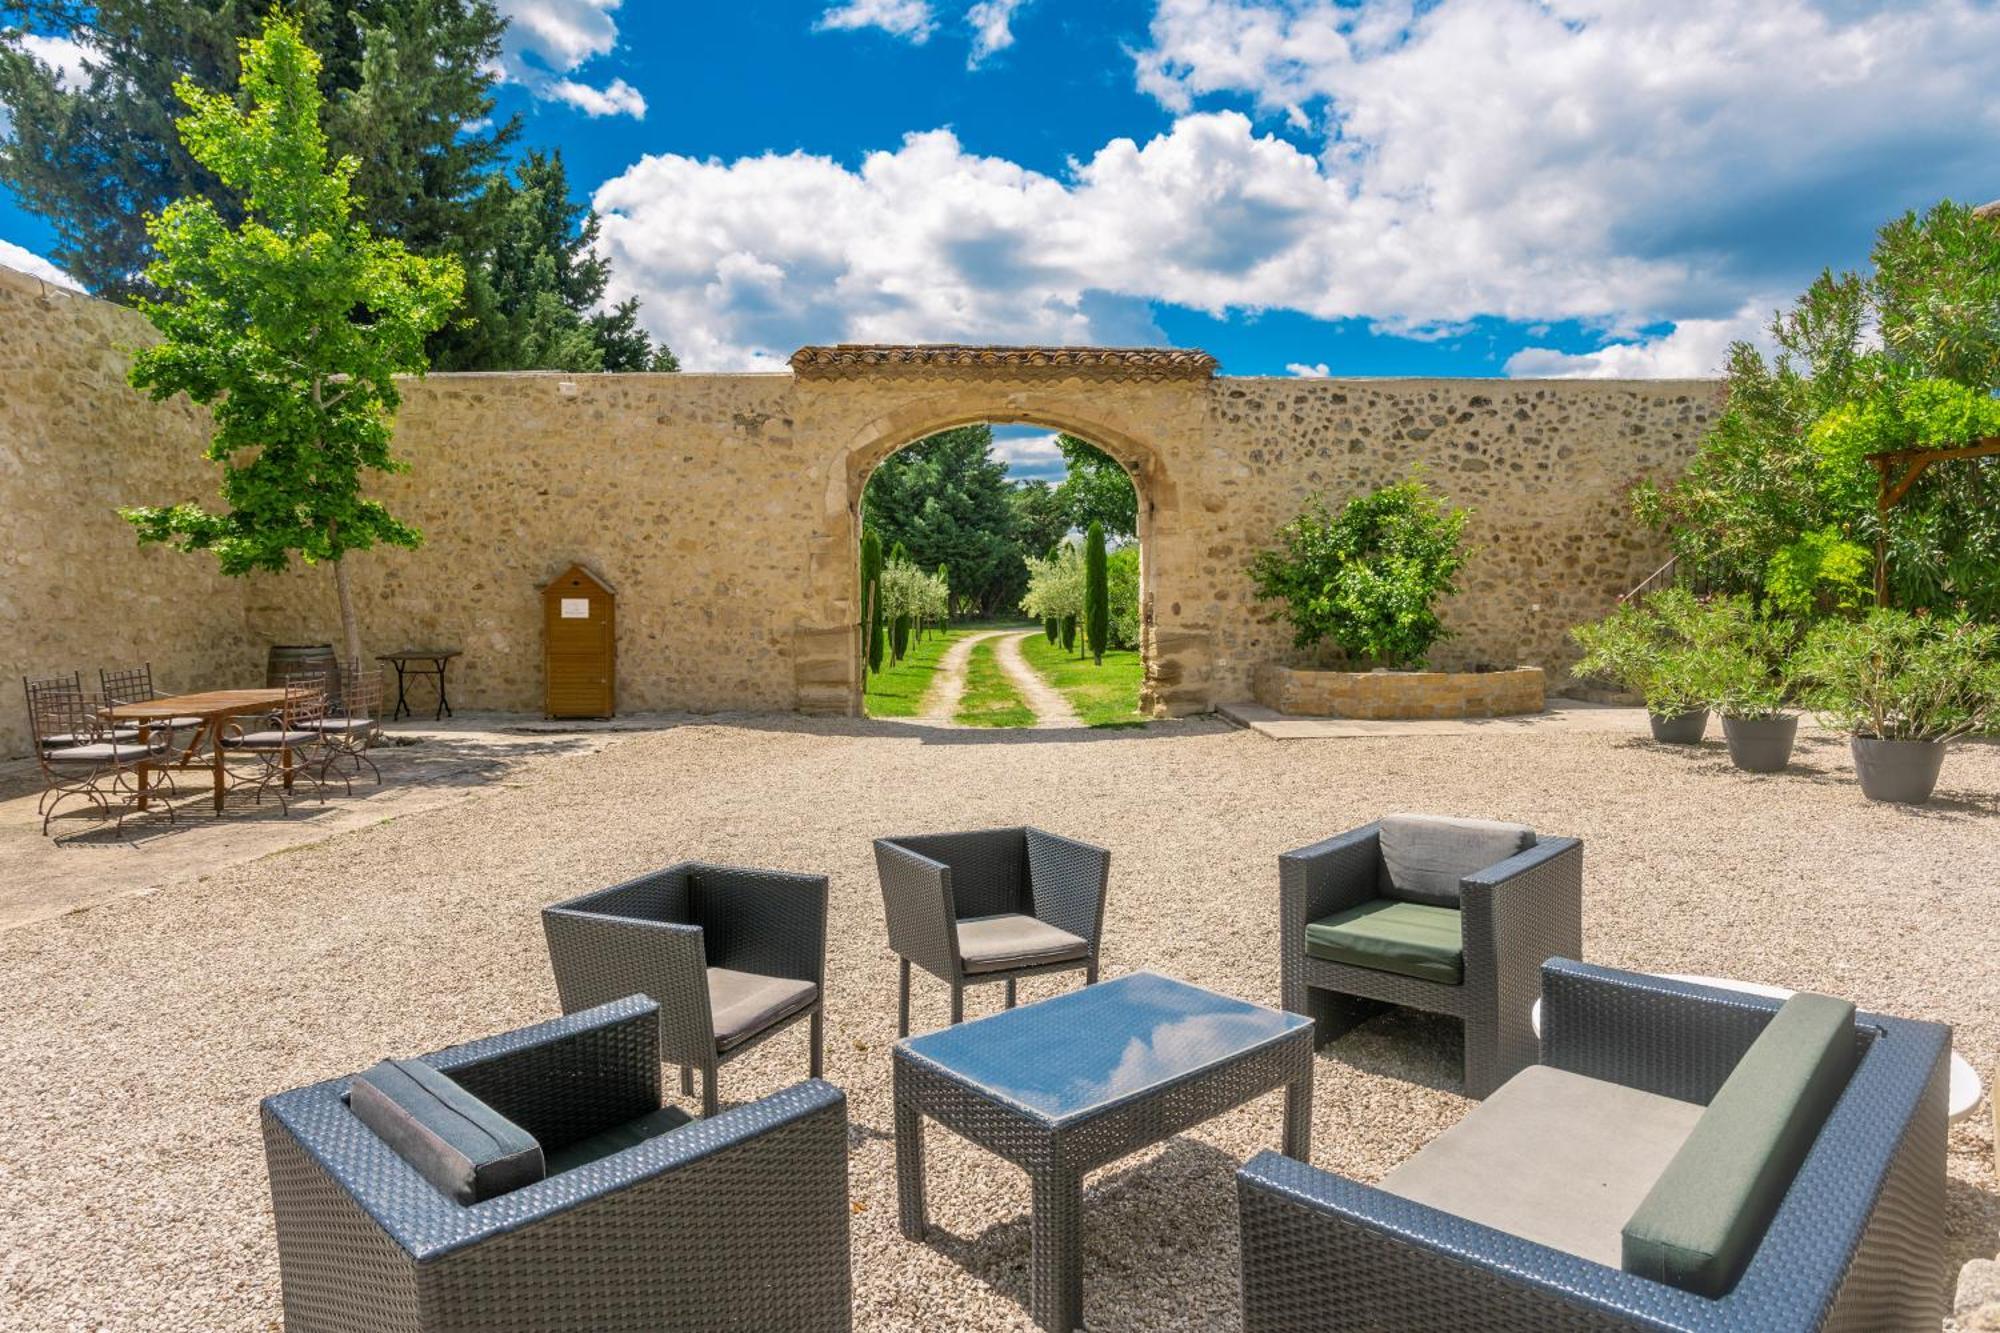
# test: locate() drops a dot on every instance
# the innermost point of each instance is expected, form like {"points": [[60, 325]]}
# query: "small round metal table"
{"points": [[422, 664]]}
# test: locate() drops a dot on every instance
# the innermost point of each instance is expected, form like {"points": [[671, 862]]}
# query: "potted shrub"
{"points": [[1903, 687], [1642, 647], [1738, 662]]}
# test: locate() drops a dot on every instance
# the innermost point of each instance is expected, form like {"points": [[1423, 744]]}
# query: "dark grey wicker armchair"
{"points": [[995, 905], [1462, 940], [735, 1222], [1856, 1240], [733, 955]]}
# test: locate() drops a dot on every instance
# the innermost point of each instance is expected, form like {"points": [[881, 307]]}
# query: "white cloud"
{"points": [[1692, 349], [549, 39], [992, 28], [618, 98], [911, 19], [1606, 163], [27, 261], [1317, 371], [1031, 455]]}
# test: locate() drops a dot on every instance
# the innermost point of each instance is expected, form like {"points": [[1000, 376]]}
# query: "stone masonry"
{"points": [[723, 509]]}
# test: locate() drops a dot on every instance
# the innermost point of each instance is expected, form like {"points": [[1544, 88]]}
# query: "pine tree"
{"points": [[1096, 591]]}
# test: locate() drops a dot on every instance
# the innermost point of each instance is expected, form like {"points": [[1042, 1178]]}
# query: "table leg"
{"points": [[1055, 1262], [285, 758], [444, 704], [402, 699], [145, 769], [910, 1170], [1299, 1115], [215, 760]]}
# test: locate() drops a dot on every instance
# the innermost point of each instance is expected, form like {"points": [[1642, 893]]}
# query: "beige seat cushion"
{"points": [[1425, 856], [1010, 940], [743, 1004], [1552, 1157]]}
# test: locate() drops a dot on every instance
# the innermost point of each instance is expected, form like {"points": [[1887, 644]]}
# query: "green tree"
{"points": [[291, 324], [871, 598], [948, 501], [402, 81], [529, 297], [1041, 516], [1096, 489], [1096, 592]]}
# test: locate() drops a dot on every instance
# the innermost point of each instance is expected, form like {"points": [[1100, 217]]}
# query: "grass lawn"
{"points": [[1103, 696], [898, 691], [990, 698]]}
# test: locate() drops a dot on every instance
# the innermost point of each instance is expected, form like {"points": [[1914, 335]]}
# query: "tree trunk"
{"points": [[350, 625]]}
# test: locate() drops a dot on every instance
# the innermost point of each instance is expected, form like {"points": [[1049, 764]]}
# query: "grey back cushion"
{"points": [[1425, 856], [460, 1144]]}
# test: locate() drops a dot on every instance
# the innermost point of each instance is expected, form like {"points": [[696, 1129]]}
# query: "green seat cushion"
{"points": [[1412, 939], [616, 1139], [1706, 1214]]}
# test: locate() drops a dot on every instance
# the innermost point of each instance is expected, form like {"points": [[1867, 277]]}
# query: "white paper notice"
{"points": [[576, 608]]}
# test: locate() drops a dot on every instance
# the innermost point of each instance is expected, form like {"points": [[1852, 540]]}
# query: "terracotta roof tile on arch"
{"points": [[847, 360]]}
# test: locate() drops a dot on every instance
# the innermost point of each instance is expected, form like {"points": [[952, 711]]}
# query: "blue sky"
{"points": [[1457, 187]]}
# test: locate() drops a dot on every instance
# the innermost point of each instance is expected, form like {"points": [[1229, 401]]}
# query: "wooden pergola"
{"points": [[1896, 471]]}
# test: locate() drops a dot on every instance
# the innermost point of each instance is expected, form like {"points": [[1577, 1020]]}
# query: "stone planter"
{"points": [[1400, 695], [1760, 744], [1901, 771], [1681, 729]]}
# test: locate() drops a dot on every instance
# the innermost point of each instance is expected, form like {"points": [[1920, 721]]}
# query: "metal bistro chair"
{"points": [[993, 905], [351, 726], [134, 685], [81, 754], [283, 742]]}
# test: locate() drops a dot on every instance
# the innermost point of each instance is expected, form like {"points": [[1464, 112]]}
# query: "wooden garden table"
{"points": [[213, 707]]}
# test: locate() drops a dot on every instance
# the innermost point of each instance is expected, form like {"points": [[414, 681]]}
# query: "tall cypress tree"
{"points": [[871, 598], [1096, 591]]}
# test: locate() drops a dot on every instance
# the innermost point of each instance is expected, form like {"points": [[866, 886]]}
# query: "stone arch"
{"points": [[889, 405]]}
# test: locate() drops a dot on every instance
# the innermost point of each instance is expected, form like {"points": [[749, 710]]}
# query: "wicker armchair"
{"points": [[995, 905], [83, 755], [736, 1222], [733, 956], [1501, 922], [1856, 1239]]}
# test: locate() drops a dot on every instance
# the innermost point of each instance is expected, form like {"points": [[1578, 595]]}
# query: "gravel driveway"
{"points": [[137, 1036]]}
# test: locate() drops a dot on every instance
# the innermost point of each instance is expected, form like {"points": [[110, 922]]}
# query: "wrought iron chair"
{"points": [[284, 743], [352, 725], [994, 905], [81, 754], [134, 685]]}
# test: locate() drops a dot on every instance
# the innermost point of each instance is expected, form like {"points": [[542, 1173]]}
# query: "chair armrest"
{"points": [[1068, 879], [567, 1078], [1517, 914], [771, 922], [1325, 1252], [660, 896], [1327, 877], [916, 901], [1646, 1032], [597, 959]]}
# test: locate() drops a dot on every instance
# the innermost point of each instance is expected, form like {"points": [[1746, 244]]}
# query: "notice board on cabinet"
{"points": [[579, 645]]}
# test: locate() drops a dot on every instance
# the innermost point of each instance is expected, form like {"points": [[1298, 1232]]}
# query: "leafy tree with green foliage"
{"points": [[1896, 676], [1096, 592], [1095, 489], [871, 598], [1368, 579], [1906, 356], [1040, 518], [291, 324], [948, 501], [1122, 596], [529, 298], [408, 95]]}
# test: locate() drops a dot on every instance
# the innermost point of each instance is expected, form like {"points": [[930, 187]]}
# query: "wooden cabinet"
{"points": [[579, 645]]}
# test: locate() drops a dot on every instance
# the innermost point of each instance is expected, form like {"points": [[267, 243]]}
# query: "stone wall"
{"points": [[76, 591], [722, 508]]}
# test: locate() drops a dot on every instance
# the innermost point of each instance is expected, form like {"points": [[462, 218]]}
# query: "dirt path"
{"points": [[948, 682], [1051, 708]]}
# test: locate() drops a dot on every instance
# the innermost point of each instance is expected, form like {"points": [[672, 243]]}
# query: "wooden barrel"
{"points": [[299, 659]]}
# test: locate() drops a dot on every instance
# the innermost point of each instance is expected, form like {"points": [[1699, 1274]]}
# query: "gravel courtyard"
{"points": [[138, 1035]]}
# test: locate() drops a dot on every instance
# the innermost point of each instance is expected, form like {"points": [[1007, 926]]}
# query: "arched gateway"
{"points": [[1135, 403]]}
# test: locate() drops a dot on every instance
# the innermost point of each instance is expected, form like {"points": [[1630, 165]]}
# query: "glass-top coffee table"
{"points": [[1067, 1085]]}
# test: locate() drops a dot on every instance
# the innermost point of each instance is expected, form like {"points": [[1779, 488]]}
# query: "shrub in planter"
{"points": [[1367, 580], [1051, 628], [1903, 687], [1643, 647], [1737, 663]]}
